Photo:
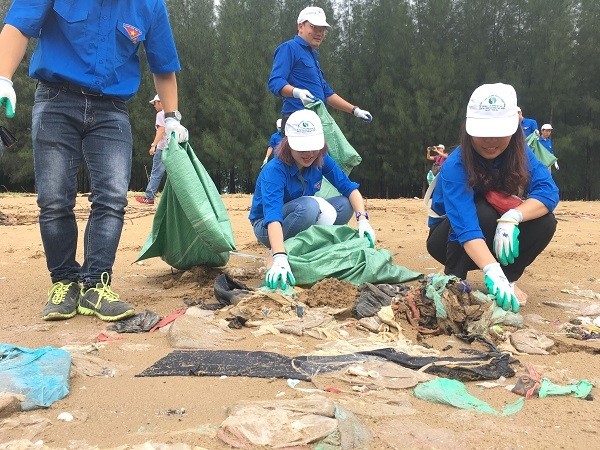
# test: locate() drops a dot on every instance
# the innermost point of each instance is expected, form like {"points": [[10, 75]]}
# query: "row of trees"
{"points": [[412, 63]]}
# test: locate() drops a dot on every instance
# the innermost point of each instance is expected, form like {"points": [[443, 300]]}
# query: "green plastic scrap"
{"points": [[454, 393], [434, 291], [580, 390]]}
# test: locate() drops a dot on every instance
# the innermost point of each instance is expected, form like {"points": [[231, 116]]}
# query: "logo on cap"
{"points": [[306, 127], [492, 103]]}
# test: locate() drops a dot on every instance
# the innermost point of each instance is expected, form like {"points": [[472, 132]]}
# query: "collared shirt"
{"points": [[452, 195], [297, 64], [279, 184], [95, 44], [528, 126], [547, 143], [275, 139]]}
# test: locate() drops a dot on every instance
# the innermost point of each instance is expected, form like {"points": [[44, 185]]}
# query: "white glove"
{"points": [[366, 230], [280, 271], [362, 114], [304, 95], [506, 239], [172, 125], [8, 98], [498, 285], [266, 160], [556, 165]]}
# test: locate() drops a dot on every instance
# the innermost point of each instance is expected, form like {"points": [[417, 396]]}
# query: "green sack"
{"points": [[336, 251], [191, 226], [540, 152], [339, 148]]}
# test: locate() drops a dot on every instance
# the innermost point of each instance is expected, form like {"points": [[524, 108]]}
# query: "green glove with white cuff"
{"points": [[506, 239], [280, 271], [499, 286], [8, 98]]}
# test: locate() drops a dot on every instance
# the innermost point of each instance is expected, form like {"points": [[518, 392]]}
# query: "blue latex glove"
{"points": [[365, 230], [304, 95], [362, 114], [498, 285], [8, 98], [506, 239], [172, 125], [280, 272]]}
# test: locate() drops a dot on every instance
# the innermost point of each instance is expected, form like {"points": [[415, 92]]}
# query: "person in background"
{"points": [[87, 66], [159, 143], [296, 73], [273, 142], [477, 221], [545, 137], [438, 159], [284, 202], [528, 125]]}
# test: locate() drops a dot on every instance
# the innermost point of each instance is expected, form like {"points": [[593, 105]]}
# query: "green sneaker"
{"points": [[63, 297], [103, 303]]}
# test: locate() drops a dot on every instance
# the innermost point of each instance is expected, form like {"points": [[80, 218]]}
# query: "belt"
{"points": [[72, 87]]}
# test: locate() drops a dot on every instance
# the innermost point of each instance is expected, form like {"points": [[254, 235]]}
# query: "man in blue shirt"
{"points": [[528, 125], [545, 138], [273, 141], [296, 73], [86, 64]]}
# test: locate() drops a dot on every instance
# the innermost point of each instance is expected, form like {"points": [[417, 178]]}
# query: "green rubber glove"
{"points": [[506, 239], [8, 98], [280, 272], [498, 285]]}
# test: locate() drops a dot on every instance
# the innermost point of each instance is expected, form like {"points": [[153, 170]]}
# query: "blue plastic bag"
{"points": [[41, 375]]}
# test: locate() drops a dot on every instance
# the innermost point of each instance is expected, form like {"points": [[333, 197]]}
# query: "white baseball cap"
{"points": [[492, 111], [442, 146], [278, 123], [546, 126], [304, 131], [154, 100], [314, 15]]}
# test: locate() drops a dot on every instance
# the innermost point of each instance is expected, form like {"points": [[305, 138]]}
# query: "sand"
{"points": [[123, 410]]}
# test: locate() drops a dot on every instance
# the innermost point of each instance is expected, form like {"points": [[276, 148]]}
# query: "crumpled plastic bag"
{"points": [[139, 323], [454, 393]]}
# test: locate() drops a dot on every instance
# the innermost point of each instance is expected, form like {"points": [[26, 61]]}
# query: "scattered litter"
{"points": [[454, 393], [65, 417], [585, 293], [139, 323], [531, 341]]}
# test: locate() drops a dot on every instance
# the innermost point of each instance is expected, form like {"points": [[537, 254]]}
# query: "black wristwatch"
{"points": [[174, 114]]}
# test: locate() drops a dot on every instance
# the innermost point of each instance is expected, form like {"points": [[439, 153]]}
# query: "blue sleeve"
{"points": [[541, 186], [273, 180], [335, 175], [160, 44], [28, 17], [327, 90], [453, 196], [283, 61]]}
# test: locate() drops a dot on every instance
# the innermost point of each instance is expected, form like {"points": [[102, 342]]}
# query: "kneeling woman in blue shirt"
{"points": [[476, 222], [284, 203]]}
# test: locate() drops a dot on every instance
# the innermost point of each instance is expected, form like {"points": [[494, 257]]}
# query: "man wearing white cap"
{"points": [[477, 220], [296, 73], [159, 143], [545, 138]]}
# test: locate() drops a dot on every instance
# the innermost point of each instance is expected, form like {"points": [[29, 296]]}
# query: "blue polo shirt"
{"points": [[95, 44], [296, 63], [452, 195], [279, 183], [528, 126], [547, 143], [275, 139]]}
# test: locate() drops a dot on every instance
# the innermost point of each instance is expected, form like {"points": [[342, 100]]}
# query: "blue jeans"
{"points": [[158, 170], [302, 213], [69, 129]]}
